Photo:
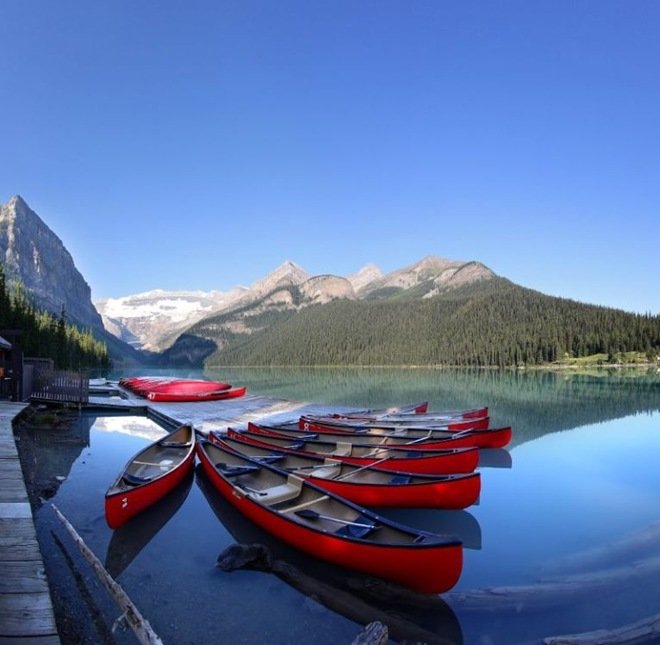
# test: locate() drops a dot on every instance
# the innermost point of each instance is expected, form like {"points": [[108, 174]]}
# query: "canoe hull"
{"points": [[343, 425], [452, 494], [428, 440], [187, 397]]}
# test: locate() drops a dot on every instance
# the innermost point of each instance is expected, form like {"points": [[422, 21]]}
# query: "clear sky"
{"points": [[199, 144]]}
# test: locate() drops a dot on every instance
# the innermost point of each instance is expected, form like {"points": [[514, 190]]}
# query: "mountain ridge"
{"points": [[435, 311], [152, 320]]}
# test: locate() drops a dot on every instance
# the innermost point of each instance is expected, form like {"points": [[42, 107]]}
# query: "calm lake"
{"points": [[563, 516]]}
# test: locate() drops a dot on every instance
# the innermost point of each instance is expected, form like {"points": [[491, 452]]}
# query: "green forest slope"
{"points": [[488, 323]]}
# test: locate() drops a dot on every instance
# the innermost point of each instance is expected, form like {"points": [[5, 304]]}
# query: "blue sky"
{"points": [[198, 144]]}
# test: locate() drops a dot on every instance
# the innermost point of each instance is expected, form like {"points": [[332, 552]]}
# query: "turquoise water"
{"points": [[563, 515]]}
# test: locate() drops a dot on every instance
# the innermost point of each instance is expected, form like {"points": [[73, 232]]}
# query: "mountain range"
{"points": [[154, 319], [435, 311]]}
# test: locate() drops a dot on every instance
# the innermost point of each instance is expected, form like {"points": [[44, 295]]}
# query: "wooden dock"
{"points": [[210, 415], [26, 610]]}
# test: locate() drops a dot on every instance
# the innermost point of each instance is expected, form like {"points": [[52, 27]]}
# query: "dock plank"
{"points": [[19, 549], [15, 510], [22, 577], [26, 614], [50, 639]]}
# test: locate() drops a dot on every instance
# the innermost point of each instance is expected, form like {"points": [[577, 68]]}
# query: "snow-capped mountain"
{"points": [[145, 319]]}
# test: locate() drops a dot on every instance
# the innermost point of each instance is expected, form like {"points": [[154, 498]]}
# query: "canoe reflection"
{"points": [[128, 540], [409, 616], [462, 524], [495, 458]]}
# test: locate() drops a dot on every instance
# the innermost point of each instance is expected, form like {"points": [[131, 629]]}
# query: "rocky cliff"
{"points": [[33, 254]]}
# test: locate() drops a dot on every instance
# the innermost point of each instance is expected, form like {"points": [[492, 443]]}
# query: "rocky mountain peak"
{"points": [[288, 273], [438, 274], [35, 256], [364, 276]]}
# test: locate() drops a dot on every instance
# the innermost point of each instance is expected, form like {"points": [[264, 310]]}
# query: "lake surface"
{"points": [[563, 516]]}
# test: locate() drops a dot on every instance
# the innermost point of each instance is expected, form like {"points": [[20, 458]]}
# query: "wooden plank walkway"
{"points": [[26, 610], [212, 415]]}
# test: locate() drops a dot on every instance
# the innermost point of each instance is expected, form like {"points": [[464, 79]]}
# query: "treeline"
{"points": [[45, 335], [494, 324]]}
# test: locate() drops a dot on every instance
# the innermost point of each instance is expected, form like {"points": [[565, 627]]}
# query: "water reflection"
{"points": [[409, 616], [462, 524], [49, 446], [127, 541], [133, 425], [495, 458], [533, 402]]}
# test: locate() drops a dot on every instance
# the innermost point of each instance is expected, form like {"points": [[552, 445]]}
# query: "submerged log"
{"points": [[257, 556], [642, 631], [628, 547], [555, 591]]}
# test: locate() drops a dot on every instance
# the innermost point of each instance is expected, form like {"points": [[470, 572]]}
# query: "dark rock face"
{"points": [[35, 256]]}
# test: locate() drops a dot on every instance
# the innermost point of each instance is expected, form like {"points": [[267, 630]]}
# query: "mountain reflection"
{"points": [[534, 403], [132, 425]]}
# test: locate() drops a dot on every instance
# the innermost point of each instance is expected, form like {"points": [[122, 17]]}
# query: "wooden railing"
{"points": [[62, 386]]}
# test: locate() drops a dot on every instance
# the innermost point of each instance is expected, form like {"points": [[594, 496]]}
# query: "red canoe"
{"points": [[412, 414], [421, 439], [428, 462], [330, 527], [322, 424], [216, 395], [369, 485], [188, 386], [143, 385], [150, 475]]}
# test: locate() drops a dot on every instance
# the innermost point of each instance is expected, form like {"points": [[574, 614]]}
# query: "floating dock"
{"points": [[205, 416]]}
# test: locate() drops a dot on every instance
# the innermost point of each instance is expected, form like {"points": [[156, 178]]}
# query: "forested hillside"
{"points": [[47, 336], [494, 323]]}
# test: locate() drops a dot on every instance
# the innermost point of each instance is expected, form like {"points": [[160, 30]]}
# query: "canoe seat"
{"points": [[362, 528], [175, 444], [135, 480], [327, 471], [281, 493], [343, 449], [400, 479], [233, 471]]}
